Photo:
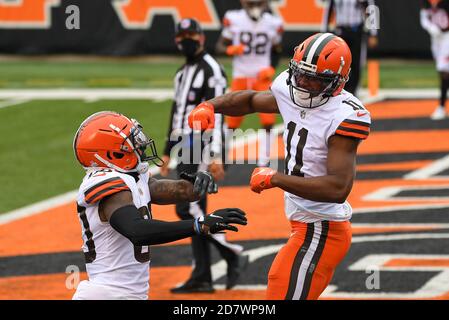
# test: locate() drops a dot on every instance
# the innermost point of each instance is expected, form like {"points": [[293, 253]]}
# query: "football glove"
{"points": [[266, 74], [235, 50], [261, 179], [220, 220], [202, 117], [202, 182]]}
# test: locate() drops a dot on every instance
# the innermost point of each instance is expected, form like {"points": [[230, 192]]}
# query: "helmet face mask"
{"points": [[319, 70], [254, 8], [309, 89], [141, 143]]}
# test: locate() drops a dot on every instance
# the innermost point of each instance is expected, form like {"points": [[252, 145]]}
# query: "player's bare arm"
{"points": [[191, 188], [222, 45], [244, 102], [236, 103], [333, 187]]}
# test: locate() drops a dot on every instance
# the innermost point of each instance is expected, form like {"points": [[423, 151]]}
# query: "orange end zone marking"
{"points": [[364, 187], [53, 286], [405, 141], [402, 109], [417, 263]]}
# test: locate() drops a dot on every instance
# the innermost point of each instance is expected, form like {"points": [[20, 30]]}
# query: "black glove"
{"points": [[202, 181], [220, 220]]}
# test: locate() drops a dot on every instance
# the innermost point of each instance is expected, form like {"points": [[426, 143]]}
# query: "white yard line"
{"points": [[12, 102], [38, 207], [87, 94], [165, 94], [45, 205]]}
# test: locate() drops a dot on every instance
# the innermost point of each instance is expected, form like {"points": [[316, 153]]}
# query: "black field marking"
{"points": [[424, 193], [48, 263], [399, 157], [425, 215], [408, 124], [380, 175], [402, 282], [442, 173]]}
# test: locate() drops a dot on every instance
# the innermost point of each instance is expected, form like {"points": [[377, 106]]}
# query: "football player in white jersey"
{"points": [[252, 35], [435, 20], [114, 207], [324, 125]]}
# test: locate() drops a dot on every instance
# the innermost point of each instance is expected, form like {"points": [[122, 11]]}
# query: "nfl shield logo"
{"points": [[303, 114]]}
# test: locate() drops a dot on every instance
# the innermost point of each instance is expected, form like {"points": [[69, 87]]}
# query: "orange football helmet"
{"points": [[111, 140], [319, 69]]}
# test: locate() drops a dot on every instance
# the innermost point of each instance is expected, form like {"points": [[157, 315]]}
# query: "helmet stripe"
{"points": [[306, 53], [320, 48], [317, 47]]}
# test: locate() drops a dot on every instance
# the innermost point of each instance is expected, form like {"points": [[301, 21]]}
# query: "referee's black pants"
{"points": [[201, 243], [355, 37]]}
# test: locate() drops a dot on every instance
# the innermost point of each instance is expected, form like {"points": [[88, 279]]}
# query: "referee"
{"points": [[350, 18], [201, 78]]}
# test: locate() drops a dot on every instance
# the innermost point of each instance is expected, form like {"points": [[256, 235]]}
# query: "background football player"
{"points": [[324, 126], [435, 20], [252, 36], [114, 207]]}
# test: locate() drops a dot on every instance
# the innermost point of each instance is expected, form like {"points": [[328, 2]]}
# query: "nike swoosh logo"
{"points": [[361, 114], [263, 171]]}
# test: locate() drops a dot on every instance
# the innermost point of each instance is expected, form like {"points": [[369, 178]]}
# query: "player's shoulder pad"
{"points": [[275, 20], [230, 17], [99, 184], [280, 83], [356, 119]]}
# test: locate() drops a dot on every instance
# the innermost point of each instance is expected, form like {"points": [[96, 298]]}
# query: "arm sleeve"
{"points": [[142, 232], [327, 16]]}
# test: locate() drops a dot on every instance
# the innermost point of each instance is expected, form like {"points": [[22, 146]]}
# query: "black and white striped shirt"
{"points": [[348, 13], [196, 81]]}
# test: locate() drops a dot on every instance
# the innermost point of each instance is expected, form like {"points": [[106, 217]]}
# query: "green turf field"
{"points": [[158, 73]]}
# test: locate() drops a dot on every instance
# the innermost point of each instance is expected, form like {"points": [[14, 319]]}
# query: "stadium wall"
{"points": [[140, 27]]}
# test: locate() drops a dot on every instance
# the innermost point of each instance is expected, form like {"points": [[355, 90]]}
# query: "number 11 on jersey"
{"points": [[302, 133]]}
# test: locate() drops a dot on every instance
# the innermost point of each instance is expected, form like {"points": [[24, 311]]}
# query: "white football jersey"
{"points": [[306, 145], [258, 37], [111, 259]]}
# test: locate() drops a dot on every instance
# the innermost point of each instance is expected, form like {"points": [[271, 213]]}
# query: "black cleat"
{"points": [[194, 287], [235, 269]]}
